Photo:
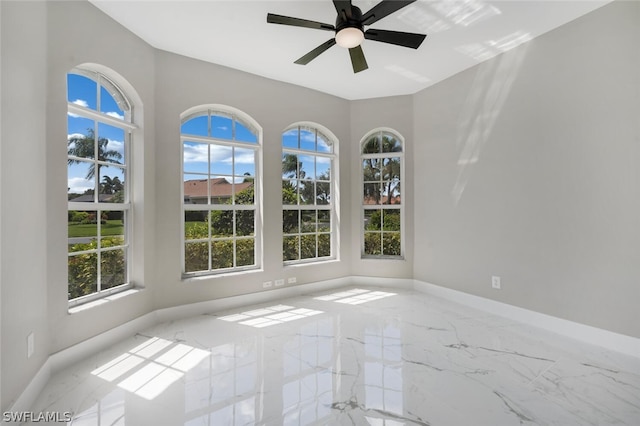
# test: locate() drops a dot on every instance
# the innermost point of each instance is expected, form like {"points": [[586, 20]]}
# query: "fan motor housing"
{"points": [[349, 19]]}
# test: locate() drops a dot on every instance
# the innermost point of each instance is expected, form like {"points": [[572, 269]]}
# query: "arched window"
{"points": [[309, 185], [220, 163], [382, 214], [100, 125]]}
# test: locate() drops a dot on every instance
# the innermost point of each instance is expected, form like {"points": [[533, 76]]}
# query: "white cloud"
{"points": [[195, 153], [115, 146], [78, 185], [75, 135], [72, 115], [115, 115], [81, 102]]}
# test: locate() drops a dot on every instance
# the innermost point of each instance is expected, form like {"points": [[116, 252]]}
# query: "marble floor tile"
{"points": [[357, 356]]}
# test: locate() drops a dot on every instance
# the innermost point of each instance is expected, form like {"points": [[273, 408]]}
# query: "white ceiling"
{"points": [[460, 34]]}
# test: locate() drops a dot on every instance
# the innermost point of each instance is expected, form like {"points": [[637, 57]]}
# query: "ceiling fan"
{"points": [[349, 30]]}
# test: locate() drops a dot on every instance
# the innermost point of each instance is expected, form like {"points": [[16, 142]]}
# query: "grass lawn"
{"points": [[112, 227]]}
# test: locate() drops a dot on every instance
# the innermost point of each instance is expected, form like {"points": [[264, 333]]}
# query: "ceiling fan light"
{"points": [[349, 37]]}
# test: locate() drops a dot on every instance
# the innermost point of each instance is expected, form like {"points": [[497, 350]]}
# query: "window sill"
{"points": [[197, 278], [101, 301], [298, 263]]}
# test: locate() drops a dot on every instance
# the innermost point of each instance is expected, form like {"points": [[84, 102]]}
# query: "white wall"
{"points": [[23, 216], [529, 171]]}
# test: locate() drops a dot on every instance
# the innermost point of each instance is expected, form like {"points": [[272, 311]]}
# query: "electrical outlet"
{"points": [[279, 282], [495, 282], [31, 345], [291, 280], [267, 284]]}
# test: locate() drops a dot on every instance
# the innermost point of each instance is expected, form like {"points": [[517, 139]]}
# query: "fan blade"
{"points": [[297, 22], [382, 9], [316, 52], [398, 38], [357, 59], [342, 5]]}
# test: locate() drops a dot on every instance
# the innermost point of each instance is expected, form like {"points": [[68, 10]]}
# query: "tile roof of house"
{"points": [[383, 200], [220, 187]]}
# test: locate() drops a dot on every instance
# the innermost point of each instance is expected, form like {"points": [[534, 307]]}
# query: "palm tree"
{"points": [[84, 147]]}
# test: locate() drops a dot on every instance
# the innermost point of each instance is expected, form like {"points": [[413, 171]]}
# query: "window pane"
{"points": [[113, 268], [323, 144], [221, 160], [109, 106], [391, 220], [371, 169], [324, 220], [112, 184], [82, 230], [245, 222], [307, 140], [289, 166], [391, 243], [372, 243], [245, 252], [221, 127], [290, 222], [323, 193], [222, 190], [390, 144], [307, 192], [82, 91], [196, 225], [81, 182], [371, 194], [323, 168], [244, 162], [308, 246], [244, 191], [198, 126], [222, 254], [195, 157], [222, 223], [81, 137], [289, 192], [196, 189], [83, 274], [324, 245], [290, 138], [390, 168], [308, 218], [245, 134], [196, 257], [372, 220], [112, 227], [372, 146], [111, 144], [306, 166], [290, 248]]}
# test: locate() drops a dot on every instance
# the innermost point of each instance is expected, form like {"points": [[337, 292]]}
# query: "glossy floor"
{"points": [[366, 356]]}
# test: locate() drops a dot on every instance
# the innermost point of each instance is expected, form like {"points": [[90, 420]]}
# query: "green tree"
{"points": [[84, 147]]}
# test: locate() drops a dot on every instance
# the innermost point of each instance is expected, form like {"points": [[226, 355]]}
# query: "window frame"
{"points": [[249, 123], [128, 127], [364, 207], [331, 206]]}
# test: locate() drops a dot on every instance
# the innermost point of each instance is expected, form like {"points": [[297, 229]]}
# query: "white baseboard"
{"points": [[596, 336]]}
